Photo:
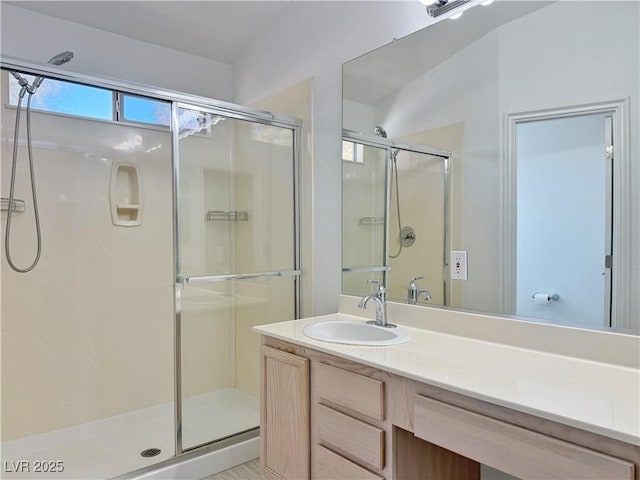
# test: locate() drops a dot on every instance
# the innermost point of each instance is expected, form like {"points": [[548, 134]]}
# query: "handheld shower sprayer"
{"points": [[31, 89], [57, 60]]}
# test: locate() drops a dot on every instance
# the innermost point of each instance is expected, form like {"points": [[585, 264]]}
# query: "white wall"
{"points": [[358, 117], [35, 37], [313, 39]]}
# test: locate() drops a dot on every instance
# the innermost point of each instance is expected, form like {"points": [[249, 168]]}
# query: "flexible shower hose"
{"points": [[7, 233], [395, 172]]}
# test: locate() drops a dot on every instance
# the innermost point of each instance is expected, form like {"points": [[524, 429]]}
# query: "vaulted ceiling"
{"points": [[217, 30]]}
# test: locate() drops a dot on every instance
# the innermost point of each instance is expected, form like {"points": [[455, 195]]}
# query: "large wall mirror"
{"points": [[497, 157]]}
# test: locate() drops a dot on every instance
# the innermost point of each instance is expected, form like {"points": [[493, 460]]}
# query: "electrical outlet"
{"points": [[458, 265]]}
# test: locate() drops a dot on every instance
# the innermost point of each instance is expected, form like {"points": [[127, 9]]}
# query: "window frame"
{"points": [[117, 105]]}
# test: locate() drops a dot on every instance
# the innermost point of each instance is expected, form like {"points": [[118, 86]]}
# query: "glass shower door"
{"points": [[236, 263]]}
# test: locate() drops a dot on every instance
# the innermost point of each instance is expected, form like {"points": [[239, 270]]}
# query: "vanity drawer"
{"points": [[514, 450], [358, 439], [330, 465], [350, 390]]}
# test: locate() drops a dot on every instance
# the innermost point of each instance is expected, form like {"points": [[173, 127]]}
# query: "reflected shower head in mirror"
{"points": [[380, 132]]}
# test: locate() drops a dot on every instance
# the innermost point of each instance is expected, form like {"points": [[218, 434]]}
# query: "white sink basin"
{"points": [[355, 333]]}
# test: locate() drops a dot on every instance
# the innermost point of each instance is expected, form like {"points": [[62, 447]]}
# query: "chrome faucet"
{"points": [[380, 299], [414, 292]]}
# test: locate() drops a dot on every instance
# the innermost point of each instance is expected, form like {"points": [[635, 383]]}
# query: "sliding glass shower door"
{"points": [[236, 263]]}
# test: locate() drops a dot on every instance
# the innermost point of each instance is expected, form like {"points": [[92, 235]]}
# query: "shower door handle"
{"points": [[238, 276]]}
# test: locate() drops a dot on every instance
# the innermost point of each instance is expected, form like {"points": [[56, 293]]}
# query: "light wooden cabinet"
{"points": [[344, 433], [348, 413], [324, 417], [351, 391], [331, 466], [514, 450], [284, 415]]}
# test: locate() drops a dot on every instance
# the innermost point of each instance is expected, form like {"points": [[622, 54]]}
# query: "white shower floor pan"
{"points": [[112, 446]]}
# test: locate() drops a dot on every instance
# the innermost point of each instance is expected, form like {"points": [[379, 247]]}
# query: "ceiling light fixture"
{"points": [[440, 7]]}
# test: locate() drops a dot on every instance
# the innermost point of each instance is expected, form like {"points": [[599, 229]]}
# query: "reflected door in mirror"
{"points": [[563, 219]]}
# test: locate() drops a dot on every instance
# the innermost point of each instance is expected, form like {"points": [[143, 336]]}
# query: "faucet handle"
{"points": [[417, 278]]}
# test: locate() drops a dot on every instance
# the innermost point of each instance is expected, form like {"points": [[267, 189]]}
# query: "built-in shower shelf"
{"points": [[18, 205], [371, 221], [227, 215], [126, 195], [128, 214]]}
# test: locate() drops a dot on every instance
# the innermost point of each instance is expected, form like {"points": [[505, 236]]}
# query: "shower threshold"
{"points": [[113, 446]]}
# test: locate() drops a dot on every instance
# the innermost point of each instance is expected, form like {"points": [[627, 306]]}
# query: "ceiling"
{"points": [[379, 74], [217, 30]]}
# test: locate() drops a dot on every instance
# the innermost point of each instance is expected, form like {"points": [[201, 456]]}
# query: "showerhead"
{"points": [[61, 58], [379, 131]]}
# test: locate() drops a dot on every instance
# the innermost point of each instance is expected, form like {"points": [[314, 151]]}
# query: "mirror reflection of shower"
{"points": [[406, 234], [28, 89], [373, 168]]}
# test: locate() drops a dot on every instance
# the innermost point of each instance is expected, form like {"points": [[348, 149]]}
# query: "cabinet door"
{"points": [[284, 436]]}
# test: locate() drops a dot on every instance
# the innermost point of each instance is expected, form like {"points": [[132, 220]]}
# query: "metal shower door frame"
{"points": [[256, 116]]}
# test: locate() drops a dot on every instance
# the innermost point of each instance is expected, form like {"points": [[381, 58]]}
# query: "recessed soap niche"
{"points": [[126, 195]]}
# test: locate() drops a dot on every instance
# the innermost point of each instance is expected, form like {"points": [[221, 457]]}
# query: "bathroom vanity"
{"points": [[441, 405]]}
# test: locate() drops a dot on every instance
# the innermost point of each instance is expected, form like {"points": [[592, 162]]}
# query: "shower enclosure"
{"points": [[163, 242], [395, 217]]}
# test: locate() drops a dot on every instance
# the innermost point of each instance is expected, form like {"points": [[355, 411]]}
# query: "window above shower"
{"points": [[352, 152], [69, 98]]}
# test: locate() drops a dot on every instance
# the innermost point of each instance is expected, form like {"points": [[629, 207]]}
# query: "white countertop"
{"points": [[596, 397]]}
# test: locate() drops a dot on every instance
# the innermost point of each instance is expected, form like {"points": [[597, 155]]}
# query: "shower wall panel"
{"points": [[89, 333]]}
